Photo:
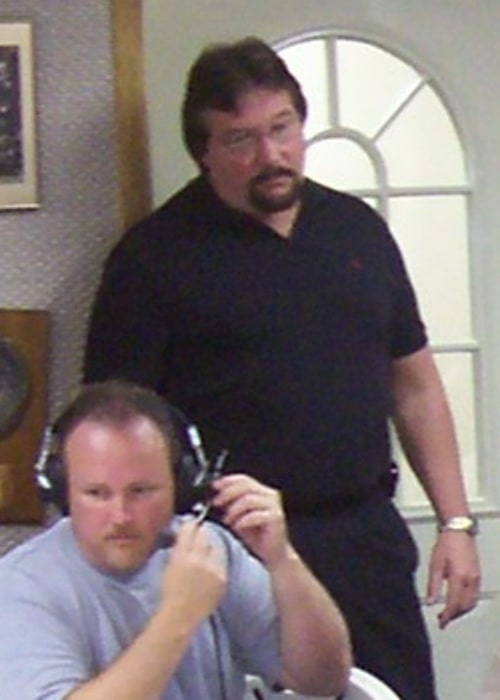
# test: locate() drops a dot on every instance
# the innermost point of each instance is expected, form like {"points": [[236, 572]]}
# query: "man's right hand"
{"points": [[195, 576]]}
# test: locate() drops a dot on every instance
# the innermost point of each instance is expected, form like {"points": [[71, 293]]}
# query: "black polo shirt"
{"points": [[280, 349]]}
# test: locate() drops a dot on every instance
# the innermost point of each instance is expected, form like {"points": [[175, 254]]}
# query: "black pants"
{"points": [[367, 558]]}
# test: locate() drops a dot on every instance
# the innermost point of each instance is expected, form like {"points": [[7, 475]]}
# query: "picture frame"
{"points": [[18, 180]]}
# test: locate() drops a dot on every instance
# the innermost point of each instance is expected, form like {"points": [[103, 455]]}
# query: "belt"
{"points": [[341, 502]]}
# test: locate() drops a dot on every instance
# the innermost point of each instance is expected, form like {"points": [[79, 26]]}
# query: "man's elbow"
{"points": [[330, 675], [334, 677]]}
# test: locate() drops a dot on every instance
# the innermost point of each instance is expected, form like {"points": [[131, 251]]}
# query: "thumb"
{"points": [[434, 585]]}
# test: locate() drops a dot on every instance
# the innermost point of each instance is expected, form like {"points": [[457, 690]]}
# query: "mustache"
{"points": [[272, 172]]}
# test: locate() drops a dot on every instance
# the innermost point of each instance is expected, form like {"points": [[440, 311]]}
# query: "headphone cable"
{"points": [[218, 656]]}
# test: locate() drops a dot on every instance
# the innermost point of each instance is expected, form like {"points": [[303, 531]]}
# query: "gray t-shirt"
{"points": [[62, 621]]}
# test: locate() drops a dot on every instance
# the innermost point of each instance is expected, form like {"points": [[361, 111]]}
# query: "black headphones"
{"points": [[193, 471]]}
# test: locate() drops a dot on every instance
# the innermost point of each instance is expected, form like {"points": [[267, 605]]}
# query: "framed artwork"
{"points": [[18, 183]]}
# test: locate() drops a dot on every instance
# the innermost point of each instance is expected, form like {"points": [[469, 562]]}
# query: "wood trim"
{"points": [[130, 109]]}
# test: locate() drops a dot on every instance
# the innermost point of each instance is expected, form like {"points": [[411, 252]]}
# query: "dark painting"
{"points": [[11, 152]]}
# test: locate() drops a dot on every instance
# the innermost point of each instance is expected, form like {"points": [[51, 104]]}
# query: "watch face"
{"points": [[462, 523], [14, 386]]}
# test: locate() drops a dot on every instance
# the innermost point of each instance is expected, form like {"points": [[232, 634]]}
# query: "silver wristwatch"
{"points": [[461, 523]]}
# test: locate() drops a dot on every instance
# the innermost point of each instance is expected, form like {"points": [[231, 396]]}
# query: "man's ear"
{"points": [[204, 169]]}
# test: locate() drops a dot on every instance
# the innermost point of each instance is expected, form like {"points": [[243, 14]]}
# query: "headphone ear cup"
{"points": [[191, 465], [50, 473], [56, 494], [186, 470]]}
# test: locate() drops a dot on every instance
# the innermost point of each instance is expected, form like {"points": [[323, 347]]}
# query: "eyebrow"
{"points": [[286, 112]]}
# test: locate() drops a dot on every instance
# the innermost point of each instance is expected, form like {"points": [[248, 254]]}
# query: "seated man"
{"points": [[98, 607]]}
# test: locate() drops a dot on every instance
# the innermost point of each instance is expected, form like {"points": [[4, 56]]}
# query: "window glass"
{"points": [[432, 234], [457, 373], [372, 85], [340, 163], [308, 62], [421, 147]]}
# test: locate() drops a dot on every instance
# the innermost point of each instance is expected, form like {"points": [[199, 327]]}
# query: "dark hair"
{"points": [[116, 403], [221, 74]]}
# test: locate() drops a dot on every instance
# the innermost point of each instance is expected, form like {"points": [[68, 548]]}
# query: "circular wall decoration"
{"points": [[14, 386]]}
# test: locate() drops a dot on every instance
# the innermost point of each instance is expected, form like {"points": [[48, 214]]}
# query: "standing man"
{"points": [[121, 600], [278, 315]]}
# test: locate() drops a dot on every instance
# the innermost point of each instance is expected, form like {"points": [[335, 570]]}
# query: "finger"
{"points": [[258, 504], [186, 530], [462, 596], [434, 586], [232, 479], [255, 518], [452, 605], [232, 487], [189, 533]]}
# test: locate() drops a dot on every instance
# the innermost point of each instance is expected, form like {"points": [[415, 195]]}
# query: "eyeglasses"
{"points": [[244, 143]]}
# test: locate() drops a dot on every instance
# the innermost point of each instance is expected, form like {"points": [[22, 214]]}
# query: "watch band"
{"points": [[461, 523]]}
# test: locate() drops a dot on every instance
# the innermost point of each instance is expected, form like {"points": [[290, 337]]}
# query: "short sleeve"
{"points": [[40, 654]]}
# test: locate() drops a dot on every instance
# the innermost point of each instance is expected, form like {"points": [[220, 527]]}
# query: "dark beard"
{"points": [[274, 204]]}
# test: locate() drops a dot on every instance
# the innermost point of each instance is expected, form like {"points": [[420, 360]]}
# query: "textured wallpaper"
{"points": [[50, 257]]}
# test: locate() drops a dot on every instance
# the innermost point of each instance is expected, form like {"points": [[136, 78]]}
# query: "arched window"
{"points": [[380, 127]]}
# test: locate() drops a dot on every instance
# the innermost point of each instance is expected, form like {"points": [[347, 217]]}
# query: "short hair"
{"points": [[221, 74], [116, 403]]}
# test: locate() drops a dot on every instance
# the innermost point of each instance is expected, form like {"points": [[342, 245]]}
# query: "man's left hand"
{"points": [[254, 512], [454, 560]]}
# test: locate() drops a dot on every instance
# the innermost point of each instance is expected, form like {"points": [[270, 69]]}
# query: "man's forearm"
{"points": [[314, 638], [425, 427], [428, 439], [144, 669]]}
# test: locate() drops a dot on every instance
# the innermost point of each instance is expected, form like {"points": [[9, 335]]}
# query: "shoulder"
{"points": [[321, 197], [179, 211], [164, 234], [33, 562], [332, 211]]}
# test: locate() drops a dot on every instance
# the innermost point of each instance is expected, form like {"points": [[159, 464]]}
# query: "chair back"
{"points": [[365, 686], [362, 686]]}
